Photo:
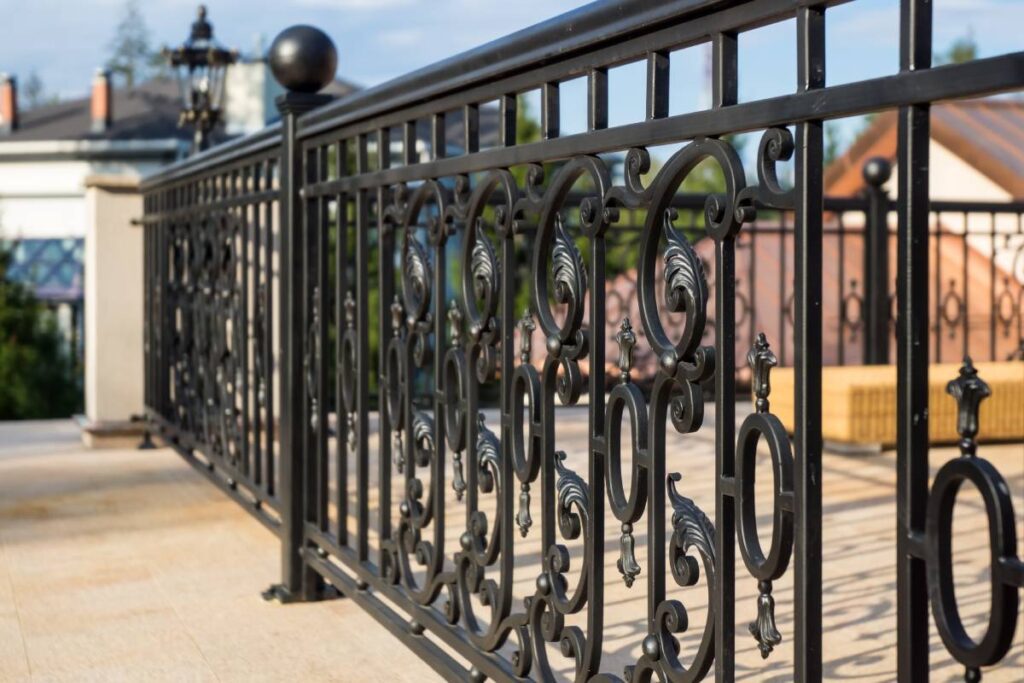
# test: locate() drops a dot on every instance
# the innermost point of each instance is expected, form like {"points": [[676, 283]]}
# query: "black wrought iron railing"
{"points": [[361, 334]]}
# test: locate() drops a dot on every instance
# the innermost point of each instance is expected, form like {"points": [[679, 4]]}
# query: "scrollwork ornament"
{"points": [[416, 276], [423, 437], [485, 271], [776, 146], [573, 497], [488, 455], [568, 273]]}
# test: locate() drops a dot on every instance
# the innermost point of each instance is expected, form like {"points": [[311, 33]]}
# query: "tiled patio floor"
{"points": [[128, 565]]}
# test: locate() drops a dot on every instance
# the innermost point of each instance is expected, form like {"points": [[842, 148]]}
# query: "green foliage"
{"points": [[833, 144], [963, 49], [527, 127], [37, 374]]}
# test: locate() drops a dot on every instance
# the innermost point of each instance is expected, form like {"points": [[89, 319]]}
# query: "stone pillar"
{"points": [[113, 313]]}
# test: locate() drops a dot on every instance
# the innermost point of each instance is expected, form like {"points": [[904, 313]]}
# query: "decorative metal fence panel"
{"points": [[368, 338], [211, 341]]}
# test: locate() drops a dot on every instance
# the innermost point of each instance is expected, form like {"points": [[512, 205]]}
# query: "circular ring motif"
{"points": [[755, 427], [1002, 546]]}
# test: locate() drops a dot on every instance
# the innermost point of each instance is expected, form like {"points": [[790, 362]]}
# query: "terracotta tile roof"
{"points": [[988, 134]]}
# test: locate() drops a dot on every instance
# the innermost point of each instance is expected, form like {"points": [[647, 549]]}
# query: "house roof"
{"points": [[987, 134], [148, 111]]}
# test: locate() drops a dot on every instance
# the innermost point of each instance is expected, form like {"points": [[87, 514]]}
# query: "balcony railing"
{"points": [[336, 307]]}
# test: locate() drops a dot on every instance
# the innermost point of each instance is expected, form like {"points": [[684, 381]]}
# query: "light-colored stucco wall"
{"points": [[951, 178], [113, 301], [250, 91], [43, 199]]}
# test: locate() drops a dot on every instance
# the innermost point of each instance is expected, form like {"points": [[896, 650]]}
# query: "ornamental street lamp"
{"points": [[201, 64]]}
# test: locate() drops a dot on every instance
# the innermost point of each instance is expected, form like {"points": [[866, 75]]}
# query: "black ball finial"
{"points": [[876, 171], [303, 59]]}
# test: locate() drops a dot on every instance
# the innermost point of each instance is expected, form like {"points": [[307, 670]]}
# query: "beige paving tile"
{"points": [[128, 565]]}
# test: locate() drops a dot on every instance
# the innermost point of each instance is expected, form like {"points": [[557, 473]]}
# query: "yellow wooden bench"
{"points": [[858, 404]]}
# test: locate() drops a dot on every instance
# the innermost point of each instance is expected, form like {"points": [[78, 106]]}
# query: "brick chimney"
{"points": [[102, 101], [8, 104]]}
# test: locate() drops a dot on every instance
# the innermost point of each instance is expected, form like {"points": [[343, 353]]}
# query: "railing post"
{"points": [[876, 172], [303, 60]]}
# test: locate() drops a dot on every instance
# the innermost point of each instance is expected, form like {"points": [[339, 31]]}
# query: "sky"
{"points": [[63, 41]]}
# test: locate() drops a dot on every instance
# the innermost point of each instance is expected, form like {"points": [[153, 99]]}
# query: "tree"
{"points": [[131, 57], [963, 49], [37, 374], [35, 93]]}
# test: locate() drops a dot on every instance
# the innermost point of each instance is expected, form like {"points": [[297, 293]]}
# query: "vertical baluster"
{"points": [[657, 107], [965, 308], [270, 440], [841, 288], [992, 289], [258, 180], [550, 119], [320, 361], [597, 118], [752, 231], [471, 128], [363, 342], [783, 308], [242, 334], [723, 94], [1020, 310], [938, 287], [341, 290], [149, 288], [911, 355], [310, 399], [597, 99], [657, 87], [807, 251], [508, 108], [298, 580]]}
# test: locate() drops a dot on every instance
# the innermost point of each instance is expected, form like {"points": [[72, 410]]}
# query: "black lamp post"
{"points": [[201, 64]]}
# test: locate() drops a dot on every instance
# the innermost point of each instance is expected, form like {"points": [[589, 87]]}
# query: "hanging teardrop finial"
{"points": [[763, 628], [523, 518], [627, 564], [397, 313], [761, 360], [350, 310], [526, 327], [626, 339], [455, 322], [969, 390]]}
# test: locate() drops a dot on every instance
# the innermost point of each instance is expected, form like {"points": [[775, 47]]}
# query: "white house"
{"points": [[68, 192]]}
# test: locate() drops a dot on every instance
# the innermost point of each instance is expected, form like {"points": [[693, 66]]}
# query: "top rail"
{"points": [[584, 30], [261, 141]]}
